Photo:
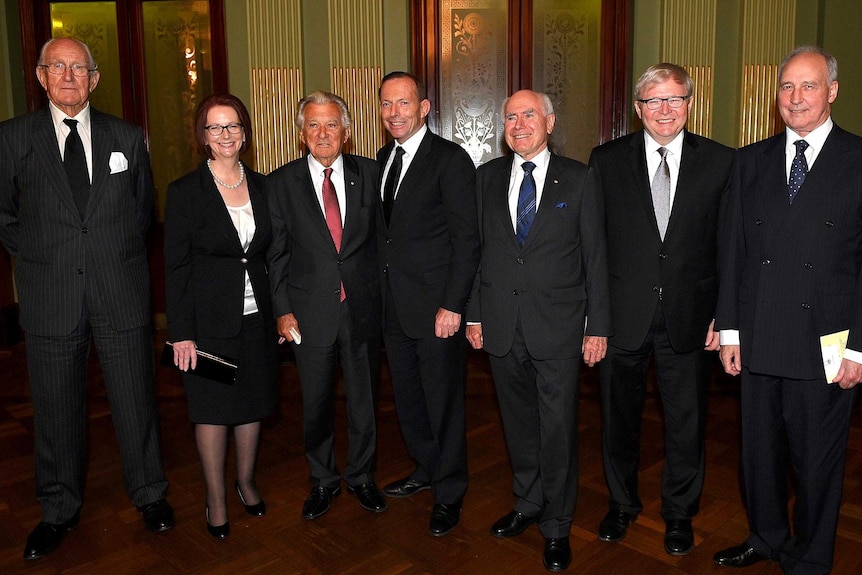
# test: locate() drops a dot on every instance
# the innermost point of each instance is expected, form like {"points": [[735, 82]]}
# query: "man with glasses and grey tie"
{"points": [[792, 273], [76, 201], [663, 187], [542, 276]]}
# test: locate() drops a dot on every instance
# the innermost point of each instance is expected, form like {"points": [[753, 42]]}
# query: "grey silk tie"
{"points": [[661, 193]]}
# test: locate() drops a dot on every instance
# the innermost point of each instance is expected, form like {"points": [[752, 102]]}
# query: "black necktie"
{"points": [[75, 162], [798, 169], [392, 183], [526, 203]]}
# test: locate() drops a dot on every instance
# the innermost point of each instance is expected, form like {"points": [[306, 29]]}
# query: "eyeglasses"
{"points": [[59, 69], [217, 129], [672, 102]]}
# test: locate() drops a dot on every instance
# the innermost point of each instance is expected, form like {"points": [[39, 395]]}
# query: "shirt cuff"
{"points": [[852, 355], [728, 337]]}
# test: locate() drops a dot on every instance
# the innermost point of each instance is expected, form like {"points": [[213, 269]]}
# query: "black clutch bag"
{"points": [[209, 365]]}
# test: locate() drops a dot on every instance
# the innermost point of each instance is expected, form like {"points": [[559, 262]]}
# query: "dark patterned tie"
{"points": [[392, 184], [75, 163], [798, 169], [661, 193], [526, 203], [333, 214]]}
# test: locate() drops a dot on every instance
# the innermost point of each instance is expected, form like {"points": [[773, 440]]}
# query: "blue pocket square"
{"points": [[562, 205]]}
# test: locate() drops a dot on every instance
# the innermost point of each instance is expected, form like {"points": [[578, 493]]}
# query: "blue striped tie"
{"points": [[526, 203]]}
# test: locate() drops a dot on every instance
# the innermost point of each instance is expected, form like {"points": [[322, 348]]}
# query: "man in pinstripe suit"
{"points": [[77, 232]]}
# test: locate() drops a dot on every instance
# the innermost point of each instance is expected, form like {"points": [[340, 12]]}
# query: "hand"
{"points": [[849, 374], [474, 335], [711, 343], [447, 323], [731, 359], [594, 349], [185, 354], [283, 325]]}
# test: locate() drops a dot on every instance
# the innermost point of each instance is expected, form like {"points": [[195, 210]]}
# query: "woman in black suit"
{"points": [[217, 230]]}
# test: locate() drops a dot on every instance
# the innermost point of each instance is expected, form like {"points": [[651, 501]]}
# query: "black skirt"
{"points": [[254, 395]]}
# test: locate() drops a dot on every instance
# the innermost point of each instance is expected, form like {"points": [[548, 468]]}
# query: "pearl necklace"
{"points": [[222, 182]]}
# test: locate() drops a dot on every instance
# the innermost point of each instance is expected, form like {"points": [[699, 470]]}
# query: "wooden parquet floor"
{"points": [[111, 539]]}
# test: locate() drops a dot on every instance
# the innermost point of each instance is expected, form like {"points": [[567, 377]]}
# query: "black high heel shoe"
{"points": [[257, 510], [218, 531]]}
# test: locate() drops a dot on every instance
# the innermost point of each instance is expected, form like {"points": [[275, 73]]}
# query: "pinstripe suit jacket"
{"points": [[793, 272], [59, 256]]}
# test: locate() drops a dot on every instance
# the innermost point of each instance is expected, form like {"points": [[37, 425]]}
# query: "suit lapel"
{"points": [[686, 189], [48, 152], [352, 200], [413, 178], [498, 201], [550, 197], [637, 163], [307, 200], [101, 140]]}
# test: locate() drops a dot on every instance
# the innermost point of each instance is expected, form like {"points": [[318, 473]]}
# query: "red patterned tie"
{"points": [[333, 214]]}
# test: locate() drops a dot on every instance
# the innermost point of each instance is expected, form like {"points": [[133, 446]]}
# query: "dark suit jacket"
{"points": [[59, 256], [430, 251], [307, 271], [791, 272], [205, 264], [557, 278], [684, 266]]}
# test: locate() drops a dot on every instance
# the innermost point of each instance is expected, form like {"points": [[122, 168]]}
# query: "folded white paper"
{"points": [[832, 346]]}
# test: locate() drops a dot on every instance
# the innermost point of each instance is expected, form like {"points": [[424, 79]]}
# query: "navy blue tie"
{"points": [[526, 203], [798, 169]]}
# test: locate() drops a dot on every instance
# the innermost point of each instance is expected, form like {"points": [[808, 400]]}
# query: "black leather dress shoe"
{"points": [[45, 537], [158, 515], [218, 531], [444, 518], [512, 524], [557, 555], [405, 487], [317, 502], [739, 556], [615, 525], [369, 497], [257, 510], [678, 537]]}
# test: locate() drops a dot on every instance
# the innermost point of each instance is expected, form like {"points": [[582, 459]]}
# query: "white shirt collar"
{"points": [[413, 142], [316, 168], [57, 115], [542, 159], [674, 146], [815, 138]]}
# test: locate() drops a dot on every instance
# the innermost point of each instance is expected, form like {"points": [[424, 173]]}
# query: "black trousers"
{"points": [[804, 423], [360, 364], [428, 377], [58, 382], [683, 379], [539, 406]]}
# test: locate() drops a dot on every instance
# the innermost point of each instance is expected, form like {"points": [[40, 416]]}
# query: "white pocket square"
{"points": [[118, 162]]}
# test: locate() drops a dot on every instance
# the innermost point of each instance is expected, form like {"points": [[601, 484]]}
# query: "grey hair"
{"points": [[547, 104], [91, 62], [321, 98], [831, 62], [658, 73]]}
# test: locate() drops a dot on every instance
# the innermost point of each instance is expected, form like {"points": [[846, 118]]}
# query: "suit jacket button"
{"points": [[514, 292], [758, 221], [243, 261], [388, 240], [338, 291], [340, 262], [520, 261], [662, 256], [80, 271], [766, 262], [808, 265], [85, 230], [806, 305], [829, 223]]}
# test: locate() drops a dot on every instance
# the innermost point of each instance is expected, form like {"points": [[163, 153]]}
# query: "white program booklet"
{"points": [[833, 345]]}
